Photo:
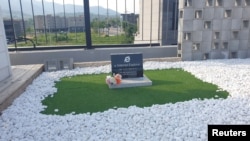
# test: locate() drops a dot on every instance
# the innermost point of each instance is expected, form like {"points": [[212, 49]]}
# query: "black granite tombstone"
{"points": [[129, 65]]}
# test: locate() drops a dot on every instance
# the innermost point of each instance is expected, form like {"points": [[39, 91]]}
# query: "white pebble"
{"points": [[180, 121]]}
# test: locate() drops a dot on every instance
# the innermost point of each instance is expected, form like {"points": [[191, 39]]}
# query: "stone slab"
{"points": [[133, 82], [129, 65]]}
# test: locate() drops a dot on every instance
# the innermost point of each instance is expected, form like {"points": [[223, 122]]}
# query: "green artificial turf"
{"points": [[90, 93]]}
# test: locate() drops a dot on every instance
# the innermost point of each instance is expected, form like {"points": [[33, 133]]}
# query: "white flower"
{"points": [[110, 80]]}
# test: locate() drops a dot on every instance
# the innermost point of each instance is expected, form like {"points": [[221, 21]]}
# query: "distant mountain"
{"points": [[48, 8]]}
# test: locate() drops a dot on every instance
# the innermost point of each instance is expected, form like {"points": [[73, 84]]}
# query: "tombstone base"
{"points": [[133, 82]]}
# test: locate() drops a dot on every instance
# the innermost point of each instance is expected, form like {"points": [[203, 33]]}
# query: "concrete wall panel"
{"points": [[188, 25], [244, 44], [248, 53], [217, 24], [206, 47], [237, 13], [246, 14], [226, 24], [198, 25], [231, 20], [208, 13], [188, 14], [218, 13], [207, 36], [225, 35], [234, 45], [198, 4], [216, 55], [197, 36], [236, 24], [244, 35], [187, 47], [187, 57], [197, 55], [228, 3], [242, 54]]}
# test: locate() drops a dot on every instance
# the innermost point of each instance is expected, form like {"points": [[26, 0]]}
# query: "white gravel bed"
{"points": [[171, 122]]}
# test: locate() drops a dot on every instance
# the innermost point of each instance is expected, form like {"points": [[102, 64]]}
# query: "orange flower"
{"points": [[118, 78]]}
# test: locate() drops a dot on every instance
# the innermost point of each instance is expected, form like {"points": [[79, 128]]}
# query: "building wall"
{"points": [[169, 22], [58, 23], [149, 30], [213, 29], [163, 27], [130, 18], [5, 69], [39, 22], [9, 31]]}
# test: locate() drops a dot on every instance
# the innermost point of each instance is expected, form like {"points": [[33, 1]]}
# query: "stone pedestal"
{"points": [[5, 68], [133, 82]]}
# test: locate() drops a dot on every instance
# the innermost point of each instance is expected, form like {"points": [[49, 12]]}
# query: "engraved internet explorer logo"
{"points": [[127, 59]]}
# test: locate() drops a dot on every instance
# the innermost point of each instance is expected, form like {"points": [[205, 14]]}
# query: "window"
{"points": [[209, 3], [187, 36], [247, 2], [198, 14], [237, 2], [216, 45], [245, 23], [207, 25], [216, 35], [235, 34], [179, 46], [233, 54], [227, 13], [188, 3], [206, 56], [218, 2], [181, 14], [196, 46], [225, 45]]}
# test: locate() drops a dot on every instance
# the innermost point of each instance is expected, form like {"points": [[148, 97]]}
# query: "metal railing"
{"points": [[77, 24]]}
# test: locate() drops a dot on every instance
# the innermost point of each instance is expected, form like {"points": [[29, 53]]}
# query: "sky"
{"points": [[111, 4]]}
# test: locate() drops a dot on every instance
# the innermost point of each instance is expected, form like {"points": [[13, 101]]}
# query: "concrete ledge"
{"points": [[92, 55], [101, 63], [133, 82], [22, 76]]}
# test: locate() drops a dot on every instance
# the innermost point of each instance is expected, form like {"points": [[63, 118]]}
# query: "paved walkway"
{"points": [[22, 76]]}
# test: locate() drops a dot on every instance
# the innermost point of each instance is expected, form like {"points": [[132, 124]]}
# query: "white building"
{"points": [[158, 22]]}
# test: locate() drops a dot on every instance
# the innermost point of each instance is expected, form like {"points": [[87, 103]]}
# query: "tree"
{"points": [[97, 25], [130, 30]]}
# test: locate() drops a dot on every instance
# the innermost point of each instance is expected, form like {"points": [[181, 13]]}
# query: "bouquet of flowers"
{"points": [[116, 79]]}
